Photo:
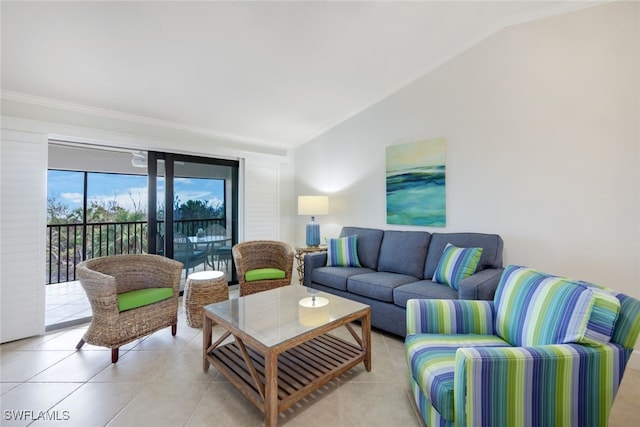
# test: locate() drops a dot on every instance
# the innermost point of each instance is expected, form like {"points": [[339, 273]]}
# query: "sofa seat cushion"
{"points": [[377, 285], [423, 289], [141, 297], [431, 360], [336, 277]]}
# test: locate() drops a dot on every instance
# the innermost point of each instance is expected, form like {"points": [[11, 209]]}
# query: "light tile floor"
{"points": [[159, 381]]}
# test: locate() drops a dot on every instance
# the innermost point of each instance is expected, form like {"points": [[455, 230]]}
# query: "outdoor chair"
{"points": [[185, 251], [131, 296], [262, 265], [219, 250]]}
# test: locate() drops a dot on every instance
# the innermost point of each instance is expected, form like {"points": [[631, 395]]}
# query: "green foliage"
{"points": [[198, 209], [60, 213]]}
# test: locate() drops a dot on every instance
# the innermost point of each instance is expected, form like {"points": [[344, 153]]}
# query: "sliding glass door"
{"points": [[196, 213]]}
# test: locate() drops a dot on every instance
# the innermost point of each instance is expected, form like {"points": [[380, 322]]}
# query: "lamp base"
{"points": [[313, 233]]}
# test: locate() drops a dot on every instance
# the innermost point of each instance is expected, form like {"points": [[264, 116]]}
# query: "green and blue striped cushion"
{"points": [[533, 308], [604, 314], [343, 252], [456, 264]]}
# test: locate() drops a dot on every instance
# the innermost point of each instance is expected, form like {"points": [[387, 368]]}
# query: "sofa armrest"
{"points": [[439, 316], [481, 285], [311, 261], [576, 384]]}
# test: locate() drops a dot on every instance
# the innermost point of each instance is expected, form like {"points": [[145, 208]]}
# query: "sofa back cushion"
{"points": [[369, 241], [534, 308], [404, 252], [491, 245]]}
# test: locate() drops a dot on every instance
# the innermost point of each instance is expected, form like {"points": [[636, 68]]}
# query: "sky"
{"points": [[128, 190]]}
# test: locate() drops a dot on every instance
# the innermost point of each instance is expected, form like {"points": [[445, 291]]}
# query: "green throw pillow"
{"points": [[343, 252], [142, 297], [456, 264], [264, 274]]}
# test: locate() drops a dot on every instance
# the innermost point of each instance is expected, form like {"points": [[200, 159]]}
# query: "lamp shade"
{"points": [[313, 205]]}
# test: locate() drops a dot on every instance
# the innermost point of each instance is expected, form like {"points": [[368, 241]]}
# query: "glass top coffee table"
{"points": [[281, 349]]}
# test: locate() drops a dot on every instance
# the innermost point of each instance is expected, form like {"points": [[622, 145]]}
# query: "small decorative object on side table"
{"points": [[301, 251]]}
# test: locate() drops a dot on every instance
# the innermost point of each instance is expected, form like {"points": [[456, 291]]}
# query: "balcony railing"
{"points": [[70, 244]]}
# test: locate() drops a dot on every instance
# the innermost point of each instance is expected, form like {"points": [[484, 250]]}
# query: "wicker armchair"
{"points": [[103, 279], [261, 254]]}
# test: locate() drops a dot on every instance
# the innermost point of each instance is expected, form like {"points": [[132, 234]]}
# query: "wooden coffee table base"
{"points": [[273, 379]]}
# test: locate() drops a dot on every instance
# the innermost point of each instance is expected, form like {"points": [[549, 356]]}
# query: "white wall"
{"points": [[541, 121]]}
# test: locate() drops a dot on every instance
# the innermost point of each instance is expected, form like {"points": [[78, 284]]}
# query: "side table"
{"points": [[203, 288], [301, 251]]}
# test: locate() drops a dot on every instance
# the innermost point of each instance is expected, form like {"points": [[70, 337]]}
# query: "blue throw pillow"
{"points": [[456, 264], [343, 252]]}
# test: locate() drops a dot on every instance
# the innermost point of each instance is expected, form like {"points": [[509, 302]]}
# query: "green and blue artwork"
{"points": [[416, 184]]}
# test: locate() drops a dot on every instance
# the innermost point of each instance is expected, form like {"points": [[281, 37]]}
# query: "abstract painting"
{"points": [[416, 184]]}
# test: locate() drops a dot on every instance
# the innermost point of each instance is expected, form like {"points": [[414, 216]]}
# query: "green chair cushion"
{"points": [[142, 297], [264, 274]]}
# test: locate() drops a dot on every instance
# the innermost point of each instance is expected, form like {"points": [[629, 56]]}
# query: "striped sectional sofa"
{"points": [[547, 351]]}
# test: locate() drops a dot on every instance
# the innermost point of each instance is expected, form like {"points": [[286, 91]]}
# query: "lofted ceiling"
{"points": [[270, 73]]}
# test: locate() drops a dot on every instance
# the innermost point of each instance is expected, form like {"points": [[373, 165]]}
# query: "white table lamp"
{"points": [[313, 205]]}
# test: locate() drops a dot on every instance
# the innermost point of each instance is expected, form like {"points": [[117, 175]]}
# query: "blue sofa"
{"points": [[397, 266]]}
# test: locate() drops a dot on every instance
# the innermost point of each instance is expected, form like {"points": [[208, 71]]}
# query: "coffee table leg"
{"points": [[366, 340], [271, 389], [206, 341]]}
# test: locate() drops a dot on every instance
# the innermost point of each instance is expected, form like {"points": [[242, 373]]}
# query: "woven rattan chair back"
{"points": [[256, 254]]}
